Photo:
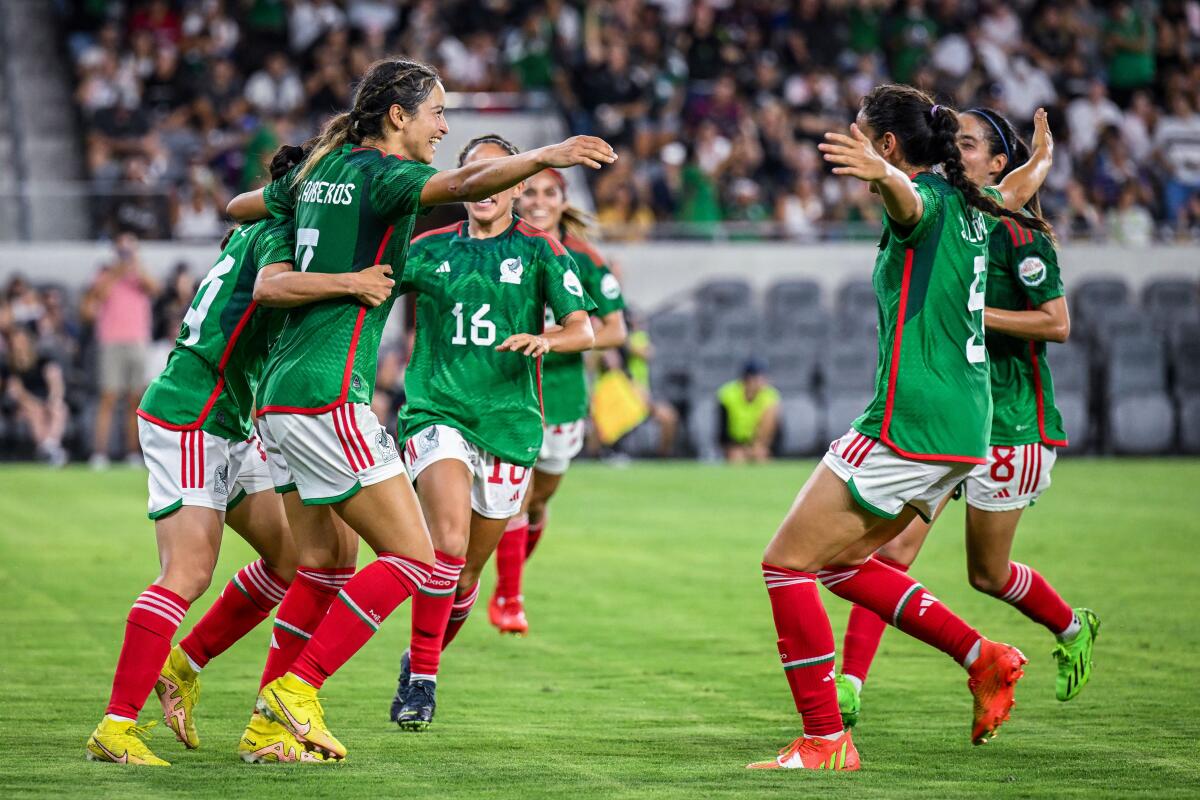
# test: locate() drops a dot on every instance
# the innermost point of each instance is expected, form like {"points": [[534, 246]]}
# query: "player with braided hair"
{"points": [[923, 432]]}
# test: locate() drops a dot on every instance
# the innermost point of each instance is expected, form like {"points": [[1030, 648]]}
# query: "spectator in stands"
{"points": [[637, 354], [118, 305], [1129, 46], [749, 409], [198, 208], [1130, 222], [1088, 116], [172, 304], [34, 385], [1177, 141], [276, 88]]}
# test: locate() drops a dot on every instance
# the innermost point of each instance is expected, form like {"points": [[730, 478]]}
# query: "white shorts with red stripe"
{"points": [[331, 456], [196, 468], [884, 482], [497, 487], [1014, 477], [560, 444]]}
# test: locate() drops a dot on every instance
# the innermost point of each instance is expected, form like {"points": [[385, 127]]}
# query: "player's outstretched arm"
{"points": [[1020, 185], [280, 286], [248, 207], [1049, 322], [855, 156], [482, 179], [574, 336]]}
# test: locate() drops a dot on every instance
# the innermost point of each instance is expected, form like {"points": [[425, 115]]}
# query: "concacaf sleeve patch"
{"points": [[609, 287], [571, 283], [1032, 271]]}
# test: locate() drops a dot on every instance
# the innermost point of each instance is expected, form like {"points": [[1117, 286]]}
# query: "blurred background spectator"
{"points": [[749, 410]]}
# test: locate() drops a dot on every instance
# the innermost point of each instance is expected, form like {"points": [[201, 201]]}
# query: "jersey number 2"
{"points": [[209, 287], [483, 330], [977, 351]]}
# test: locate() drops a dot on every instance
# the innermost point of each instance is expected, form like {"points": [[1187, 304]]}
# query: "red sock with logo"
{"points": [[805, 647], [863, 634], [1033, 596], [904, 603], [304, 606], [244, 602], [536, 529], [152, 621], [431, 613], [361, 607], [463, 602], [510, 557]]}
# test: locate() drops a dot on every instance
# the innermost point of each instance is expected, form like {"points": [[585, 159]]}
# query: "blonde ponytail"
{"points": [[577, 222]]}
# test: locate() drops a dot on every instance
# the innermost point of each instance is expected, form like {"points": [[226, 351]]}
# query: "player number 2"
{"points": [[209, 287], [483, 330], [976, 350]]}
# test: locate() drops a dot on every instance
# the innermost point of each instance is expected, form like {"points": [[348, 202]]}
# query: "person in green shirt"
{"points": [[1129, 46], [749, 409]]}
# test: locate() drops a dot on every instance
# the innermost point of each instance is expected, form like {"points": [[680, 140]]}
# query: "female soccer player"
{"points": [[921, 434], [196, 431], [353, 202], [1025, 308], [472, 421], [564, 392]]}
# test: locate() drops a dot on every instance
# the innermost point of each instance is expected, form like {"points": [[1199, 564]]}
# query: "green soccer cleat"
{"points": [[849, 702], [1075, 656]]}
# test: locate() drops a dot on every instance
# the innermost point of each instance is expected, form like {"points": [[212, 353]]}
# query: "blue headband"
{"points": [[979, 112]]}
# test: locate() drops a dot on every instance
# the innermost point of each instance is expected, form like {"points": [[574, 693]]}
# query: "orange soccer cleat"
{"points": [[810, 752], [508, 614], [993, 679]]}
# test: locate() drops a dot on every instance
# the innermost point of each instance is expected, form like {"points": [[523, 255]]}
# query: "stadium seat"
{"points": [[789, 300], [1185, 362], [792, 362], [1189, 424], [1077, 421], [712, 366], [703, 427], [855, 296], [721, 298], [1141, 424], [801, 426], [673, 330], [1068, 367], [1170, 298], [1096, 297], [1136, 366], [848, 365], [1120, 322], [841, 409]]}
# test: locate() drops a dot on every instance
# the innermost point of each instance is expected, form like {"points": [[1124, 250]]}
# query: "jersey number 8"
{"points": [[483, 330]]}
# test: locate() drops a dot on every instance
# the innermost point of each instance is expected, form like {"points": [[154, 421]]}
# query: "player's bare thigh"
{"points": [[903, 549], [388, 518], [444, 489], [261, 521], [322, 540], [189, 541], [990, 537], [485, 537]]}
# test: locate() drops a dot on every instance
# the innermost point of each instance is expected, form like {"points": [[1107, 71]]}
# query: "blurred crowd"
{"points": [[716, 105]]}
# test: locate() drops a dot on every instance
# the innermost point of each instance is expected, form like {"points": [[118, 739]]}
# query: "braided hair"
{"points": [[487, 138], [387, 83], [928, 135], [1003, 139]]}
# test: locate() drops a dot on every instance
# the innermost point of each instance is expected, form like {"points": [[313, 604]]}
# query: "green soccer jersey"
{"points": [[932, 397], [214, 369], [1022, 274], [564, 379], [354, 209], [472, 295]]}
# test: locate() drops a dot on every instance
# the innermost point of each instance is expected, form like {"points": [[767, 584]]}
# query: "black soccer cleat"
{"points": [[420, 702], [402, 685]]}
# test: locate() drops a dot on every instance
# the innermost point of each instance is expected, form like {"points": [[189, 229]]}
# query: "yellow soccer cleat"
{"points": [[267, 742], [294, 704], [178, 689], [122, 742]]}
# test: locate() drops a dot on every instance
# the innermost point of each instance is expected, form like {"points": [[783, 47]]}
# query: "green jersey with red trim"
{"points": [[564, 378], [213, 371], [354, 209], [932, 398], [1022, 274], [472, 295]]}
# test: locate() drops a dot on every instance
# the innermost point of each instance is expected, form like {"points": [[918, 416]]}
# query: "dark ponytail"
{"points": [[288, 156], [487, 138], [1003, 139], [928, 136]]}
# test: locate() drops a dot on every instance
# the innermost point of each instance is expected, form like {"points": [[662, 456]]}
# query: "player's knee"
{"points": [[988, 581], [188, 581], [450, 536]]}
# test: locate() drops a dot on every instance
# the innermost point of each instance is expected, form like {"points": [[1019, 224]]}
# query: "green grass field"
{"points": [[651, 669]]}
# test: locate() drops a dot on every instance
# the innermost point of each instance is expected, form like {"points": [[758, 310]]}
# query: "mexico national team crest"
{"points": [[428, 441], [387, 448], [1032, 271], [221, 480], [511, 269]]}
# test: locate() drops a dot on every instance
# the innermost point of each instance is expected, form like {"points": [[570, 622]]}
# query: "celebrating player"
{"points": [[353, 202], [1025, 308], [564, 392], [925, 429], [472, 421], [196, 431]]}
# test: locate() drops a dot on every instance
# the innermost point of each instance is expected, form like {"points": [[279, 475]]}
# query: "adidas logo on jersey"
{"points": [[443, 267]]}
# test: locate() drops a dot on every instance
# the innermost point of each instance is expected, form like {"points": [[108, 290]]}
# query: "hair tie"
{"points": [[979, 112], [933, 111]]}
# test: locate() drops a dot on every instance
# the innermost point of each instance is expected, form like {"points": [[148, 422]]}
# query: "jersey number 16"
{"points": [[483, 330]]}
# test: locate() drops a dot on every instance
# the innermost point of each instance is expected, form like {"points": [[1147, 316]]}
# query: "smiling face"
{"points": [[543, 201], [982, 166], [421, 133], [499, 205]]}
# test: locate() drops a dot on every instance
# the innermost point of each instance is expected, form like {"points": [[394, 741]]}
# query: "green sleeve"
{"points": [[396, 190], [603, 287], [280, 195], [418, 252], [275, 244], [994, 193], [1035, 267], [931, 209], [561, 286]]}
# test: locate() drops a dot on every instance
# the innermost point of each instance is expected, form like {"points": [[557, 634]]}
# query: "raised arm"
{"points": [[248, 207], [1020, 185], [279, 286], [574, 336], [481, 179], [857, 157], [1049, 322]]}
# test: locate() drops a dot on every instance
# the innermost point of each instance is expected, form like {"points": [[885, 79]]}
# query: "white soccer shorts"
{"points": [[277, 466], [884, 482], [1014, 477], [253, 473], [497, 488], [333, 455], [192, 468], [560, 444]]}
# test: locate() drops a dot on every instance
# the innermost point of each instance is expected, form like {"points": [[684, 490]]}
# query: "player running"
{"points": [[472, 420], [207, 467], [353, 202], [1025, 308], [923, 432], [564, 392]]}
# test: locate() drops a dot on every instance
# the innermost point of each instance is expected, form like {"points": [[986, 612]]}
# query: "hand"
{"points": [[855, 154], [527, 343], [590, 151], [372, 286], [1042, 138]]}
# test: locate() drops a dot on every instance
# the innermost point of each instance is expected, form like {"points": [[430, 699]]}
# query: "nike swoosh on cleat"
{"points": [[297, 728], [123, 759]]}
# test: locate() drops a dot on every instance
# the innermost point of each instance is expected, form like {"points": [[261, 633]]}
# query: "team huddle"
{"points": [[262, 418]]}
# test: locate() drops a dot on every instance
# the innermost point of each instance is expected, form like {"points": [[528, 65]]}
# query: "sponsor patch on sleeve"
{"points": [[1032, 271]]}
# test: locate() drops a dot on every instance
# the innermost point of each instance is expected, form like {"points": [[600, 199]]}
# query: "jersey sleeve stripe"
{"points": [[537, 233], [1012, 231], [455, 228], [342, 439], [1041, 401]]}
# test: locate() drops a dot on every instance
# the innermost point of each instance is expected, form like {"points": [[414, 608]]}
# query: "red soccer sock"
{"points": [[863, 633], [1033, 596], [366, 601], [431, 613], [303, 607], [244, 602], [902, 602], [510, 557], [459, 612], [805, 647], [536, 529], [152, 621]]}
